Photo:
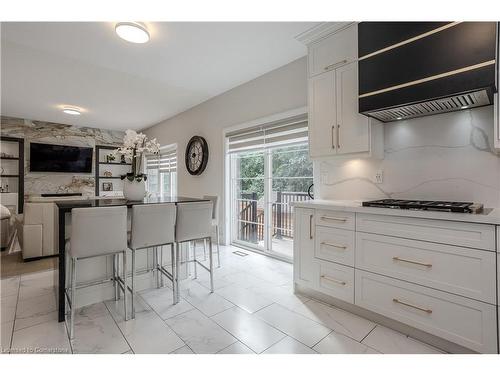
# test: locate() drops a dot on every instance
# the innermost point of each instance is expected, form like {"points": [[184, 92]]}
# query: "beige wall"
{"points": [[278, 91]]}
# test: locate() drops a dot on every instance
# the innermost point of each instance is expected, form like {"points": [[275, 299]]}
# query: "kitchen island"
{"points": [[431, 275], [64, 212]]}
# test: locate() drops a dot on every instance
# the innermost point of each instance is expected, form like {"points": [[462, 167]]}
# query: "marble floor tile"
{"points": [[148, 334], [246, 299], [9, 286], [6, 333], [161, 301], [236, 348], [96, 332], [8, 308], [245, 280], [271, 276], [299, 327], [35, 319], [250, 330], [282, 295], [339, 320], [289, 346], [44, 338], [388, 341], [207, 302], [36, 285], [336, 343], [183, 350], [35, 310], [116, 308], [200, 333]]}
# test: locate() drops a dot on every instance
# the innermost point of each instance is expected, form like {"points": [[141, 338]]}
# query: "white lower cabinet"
{"points": [[334, 245], [335, 280], [460, 320], [477, 236], [441, 277], [459, 270], [303, 247]]}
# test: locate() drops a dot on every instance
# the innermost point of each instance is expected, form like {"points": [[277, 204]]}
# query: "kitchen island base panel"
{"points": [[412, 332]]}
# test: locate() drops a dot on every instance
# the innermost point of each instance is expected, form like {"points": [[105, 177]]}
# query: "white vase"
{"points": [[134, 190]]}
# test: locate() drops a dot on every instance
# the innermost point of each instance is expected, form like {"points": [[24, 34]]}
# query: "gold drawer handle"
{"points": [[428, 311], [333, 280], [342, 219], [398, 259], [334, 245], [328, 67]]}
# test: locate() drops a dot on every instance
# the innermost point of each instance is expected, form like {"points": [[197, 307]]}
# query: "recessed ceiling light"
{"points": [[399, 118], [133, 32], [72, 111], [464, 106]]}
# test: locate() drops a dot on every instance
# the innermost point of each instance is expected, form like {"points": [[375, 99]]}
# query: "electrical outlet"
{"points": [[379, 177]]}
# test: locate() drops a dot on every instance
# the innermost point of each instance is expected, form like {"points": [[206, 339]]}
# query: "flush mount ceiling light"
{"points": [[133, 32], [72, 111]]}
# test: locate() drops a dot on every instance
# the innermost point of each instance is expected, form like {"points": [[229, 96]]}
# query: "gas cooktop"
{"points": [[463, 207]]}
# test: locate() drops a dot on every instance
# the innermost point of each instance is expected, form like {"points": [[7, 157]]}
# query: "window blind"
{"points": [[278, 133], [164, 162]]}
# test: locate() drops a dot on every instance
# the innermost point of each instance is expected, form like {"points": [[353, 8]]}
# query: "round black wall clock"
{"points": [[196, 155]]}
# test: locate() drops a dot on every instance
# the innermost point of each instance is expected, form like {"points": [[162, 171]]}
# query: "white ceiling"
{"points": [[122, 85]]}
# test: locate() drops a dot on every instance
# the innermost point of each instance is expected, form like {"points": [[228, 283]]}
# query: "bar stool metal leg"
{"points": [[125, 285], [218, 240], [194, 261], [155, 266], [204, 249], [115, 274], [133, 285], [162, 284], [177, 268], [211, 259], [73, 293], [174, 271]]}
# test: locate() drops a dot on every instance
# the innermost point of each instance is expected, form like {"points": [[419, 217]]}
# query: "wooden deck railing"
{"points": [[252, 217]]}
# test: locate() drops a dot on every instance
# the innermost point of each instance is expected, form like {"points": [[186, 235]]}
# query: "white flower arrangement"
{"points": [[134, 146]]}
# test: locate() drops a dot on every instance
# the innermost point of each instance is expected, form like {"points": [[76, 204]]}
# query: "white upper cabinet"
{"points": [[322, 115], [353, 129], [335, 125], [333, 51]]}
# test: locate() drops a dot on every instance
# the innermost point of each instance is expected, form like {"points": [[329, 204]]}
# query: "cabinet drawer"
{"points": [[335, 245], [479, 236], [335, 280], [466, 322], [335, 219], [334, 51], [459, 270]]}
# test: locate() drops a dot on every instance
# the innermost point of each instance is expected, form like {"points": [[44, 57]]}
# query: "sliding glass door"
{"points": [[290, 176], [263, 184], [247, 192]]}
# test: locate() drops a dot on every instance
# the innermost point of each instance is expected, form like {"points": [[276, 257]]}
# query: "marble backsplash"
{"points": [[443, 157], [46, 132]]}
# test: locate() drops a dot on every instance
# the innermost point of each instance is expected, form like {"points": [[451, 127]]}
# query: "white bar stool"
{"points": [[95, 232], [153, 225], [194, 222], [215, 223]]}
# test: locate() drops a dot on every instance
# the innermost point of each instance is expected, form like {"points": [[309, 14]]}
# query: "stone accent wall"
{"points": [[36, 183]]}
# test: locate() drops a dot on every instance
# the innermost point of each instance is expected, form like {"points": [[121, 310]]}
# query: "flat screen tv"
{"points": [[58, 158]]}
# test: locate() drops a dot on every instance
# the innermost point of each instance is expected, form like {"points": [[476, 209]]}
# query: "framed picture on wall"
{"points": [[107, 186]]}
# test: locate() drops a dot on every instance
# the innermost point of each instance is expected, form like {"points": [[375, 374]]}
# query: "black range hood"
{"points": [[414, 69]]}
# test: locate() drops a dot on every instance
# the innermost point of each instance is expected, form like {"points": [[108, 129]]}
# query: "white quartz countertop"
{"points": [[490, 216]]}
